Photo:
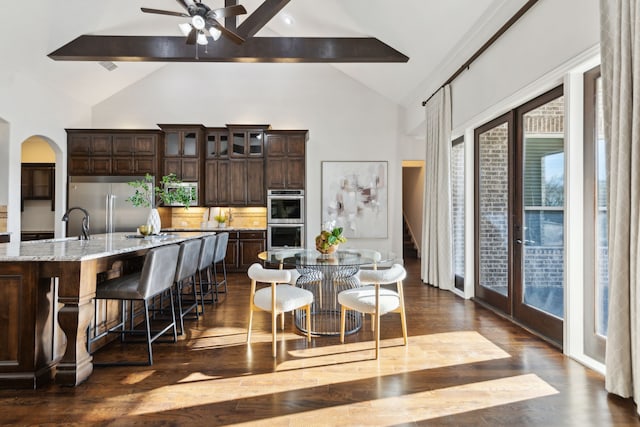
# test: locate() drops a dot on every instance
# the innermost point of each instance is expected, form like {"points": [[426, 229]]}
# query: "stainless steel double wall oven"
{"points": [[285, 219]]}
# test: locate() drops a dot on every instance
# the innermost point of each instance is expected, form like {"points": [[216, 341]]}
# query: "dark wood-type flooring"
{"points": [[463, 366]]}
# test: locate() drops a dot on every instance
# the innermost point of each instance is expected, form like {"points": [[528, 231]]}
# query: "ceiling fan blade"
{"points": [[183, 4], [164, 12], [235, 10], [192, 37], [228, 33]]}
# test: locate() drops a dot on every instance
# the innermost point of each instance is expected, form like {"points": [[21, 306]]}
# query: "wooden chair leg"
{"points": [[274, 328], [308, 322], [282, 320], [403, 318], [343, 314], [250, 323], [377, 332]]}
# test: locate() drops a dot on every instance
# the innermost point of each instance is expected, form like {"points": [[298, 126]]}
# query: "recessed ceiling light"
{"points": [[110, 66]]}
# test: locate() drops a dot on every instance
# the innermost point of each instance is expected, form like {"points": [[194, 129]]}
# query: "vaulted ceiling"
{"points": [[436, 36]]}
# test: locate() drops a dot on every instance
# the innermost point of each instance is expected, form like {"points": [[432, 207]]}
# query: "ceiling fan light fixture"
{"points": [[185, 28], [202, 39], [215, 33], [198, 22]]}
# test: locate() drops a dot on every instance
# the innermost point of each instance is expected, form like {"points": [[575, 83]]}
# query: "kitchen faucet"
{"points": [[85, 221]]}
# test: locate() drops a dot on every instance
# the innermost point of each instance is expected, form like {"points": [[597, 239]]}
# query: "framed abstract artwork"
{"points": [[354, 197]]}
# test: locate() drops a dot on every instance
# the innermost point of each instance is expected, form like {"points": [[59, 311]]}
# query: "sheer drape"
{"points": [[437, 267], [620, 46]]}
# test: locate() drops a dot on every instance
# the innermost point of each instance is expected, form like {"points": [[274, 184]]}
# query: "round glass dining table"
{"points": [[326, 276]]}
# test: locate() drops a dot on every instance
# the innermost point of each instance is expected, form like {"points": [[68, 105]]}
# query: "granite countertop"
{"points": [[216, 229], [98, 246]]}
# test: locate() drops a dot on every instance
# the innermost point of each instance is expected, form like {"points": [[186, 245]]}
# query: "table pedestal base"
{"points": [[325, 282]]}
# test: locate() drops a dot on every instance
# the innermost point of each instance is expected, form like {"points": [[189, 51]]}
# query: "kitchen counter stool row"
{"points": [[186, 273]]}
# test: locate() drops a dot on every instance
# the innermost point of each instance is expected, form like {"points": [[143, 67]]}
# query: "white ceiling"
{"points": [[437, 36]]}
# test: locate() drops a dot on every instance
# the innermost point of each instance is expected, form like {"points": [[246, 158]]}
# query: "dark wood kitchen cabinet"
{"points": [[89, 152], [246, 165], [112, 152], [135, 154], [243, 249], [216, 168], [285, 159], [181, 151], [38, 182]]}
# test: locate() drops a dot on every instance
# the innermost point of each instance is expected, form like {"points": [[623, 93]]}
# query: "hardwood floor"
{"points": [[463, 366]]}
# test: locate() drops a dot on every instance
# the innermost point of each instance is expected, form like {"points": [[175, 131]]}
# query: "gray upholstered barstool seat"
{"points": [[376, 300], [185, 277], [157, 276], [279, 297]]}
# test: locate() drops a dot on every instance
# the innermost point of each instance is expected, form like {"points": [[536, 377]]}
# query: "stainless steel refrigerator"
{"points": [[103, 197]]}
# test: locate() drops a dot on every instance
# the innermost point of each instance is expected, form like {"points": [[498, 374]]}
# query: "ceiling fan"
{"points": [[203, 18]]}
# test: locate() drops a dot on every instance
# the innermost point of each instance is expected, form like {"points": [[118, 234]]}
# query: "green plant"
{"points": [[327, 238], [145, 194]]}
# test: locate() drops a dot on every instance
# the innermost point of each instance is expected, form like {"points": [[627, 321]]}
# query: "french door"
{"points": [[520, 214]]}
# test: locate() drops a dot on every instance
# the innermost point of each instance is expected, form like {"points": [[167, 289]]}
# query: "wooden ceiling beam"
{"points": [[259, 18], [256, 49]]}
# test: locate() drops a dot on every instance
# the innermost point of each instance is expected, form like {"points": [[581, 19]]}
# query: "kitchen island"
{"points": [[41, 278]]}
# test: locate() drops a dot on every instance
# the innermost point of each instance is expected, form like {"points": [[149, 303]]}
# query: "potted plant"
{"points": [[145, 195], [328, 240]]}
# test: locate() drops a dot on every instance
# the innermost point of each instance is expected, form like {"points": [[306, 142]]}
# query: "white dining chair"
{"points": [[375, 299], [279, 298]]}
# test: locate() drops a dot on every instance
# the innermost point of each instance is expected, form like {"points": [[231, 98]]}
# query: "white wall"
{"points": [[548, 35], [33, 108], [346, 120]]}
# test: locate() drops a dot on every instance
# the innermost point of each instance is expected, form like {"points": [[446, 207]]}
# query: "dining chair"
{"points": [[278, 298], [375, 299], [307, 277], [157, 275]]}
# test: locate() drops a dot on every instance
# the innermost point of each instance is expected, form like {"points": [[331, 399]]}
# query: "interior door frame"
{"points": [[548, 325]]}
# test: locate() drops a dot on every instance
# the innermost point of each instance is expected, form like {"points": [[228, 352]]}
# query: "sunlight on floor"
{"points": [[342, 364], [424, 405]]}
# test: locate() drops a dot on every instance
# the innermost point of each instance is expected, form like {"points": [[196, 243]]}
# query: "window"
{"points": [[596, 238]]}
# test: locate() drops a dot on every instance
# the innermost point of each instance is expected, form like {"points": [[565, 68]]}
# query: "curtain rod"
{"points": [[485, 46]]}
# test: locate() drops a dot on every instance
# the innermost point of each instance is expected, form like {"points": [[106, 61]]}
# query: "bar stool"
{"points": [[186, 274], [205, 259], [374, 300], [219, 258], [278, 298], [157, 276]]}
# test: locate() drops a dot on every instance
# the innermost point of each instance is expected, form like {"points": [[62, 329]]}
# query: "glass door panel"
{"points": [[539, 215], [492, 212], [457, 210]]}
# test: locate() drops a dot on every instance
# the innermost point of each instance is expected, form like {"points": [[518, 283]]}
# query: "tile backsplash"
{"points": [[3, 218], [197, 217]]}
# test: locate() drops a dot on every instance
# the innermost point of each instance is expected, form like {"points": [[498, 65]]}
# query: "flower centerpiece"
{"points": [[145, 195], [329, 239]]}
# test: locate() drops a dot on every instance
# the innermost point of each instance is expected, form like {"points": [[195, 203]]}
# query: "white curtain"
{"points": [[620, 47], [437, 267]]}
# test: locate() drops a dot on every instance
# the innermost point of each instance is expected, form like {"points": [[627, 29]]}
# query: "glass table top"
{"points": [[311, 257]]}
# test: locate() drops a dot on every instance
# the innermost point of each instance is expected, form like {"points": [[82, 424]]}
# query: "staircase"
{"points": [[409, 249]]}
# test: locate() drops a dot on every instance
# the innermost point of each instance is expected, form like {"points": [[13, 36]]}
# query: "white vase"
{"points": [[154, 220]]}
